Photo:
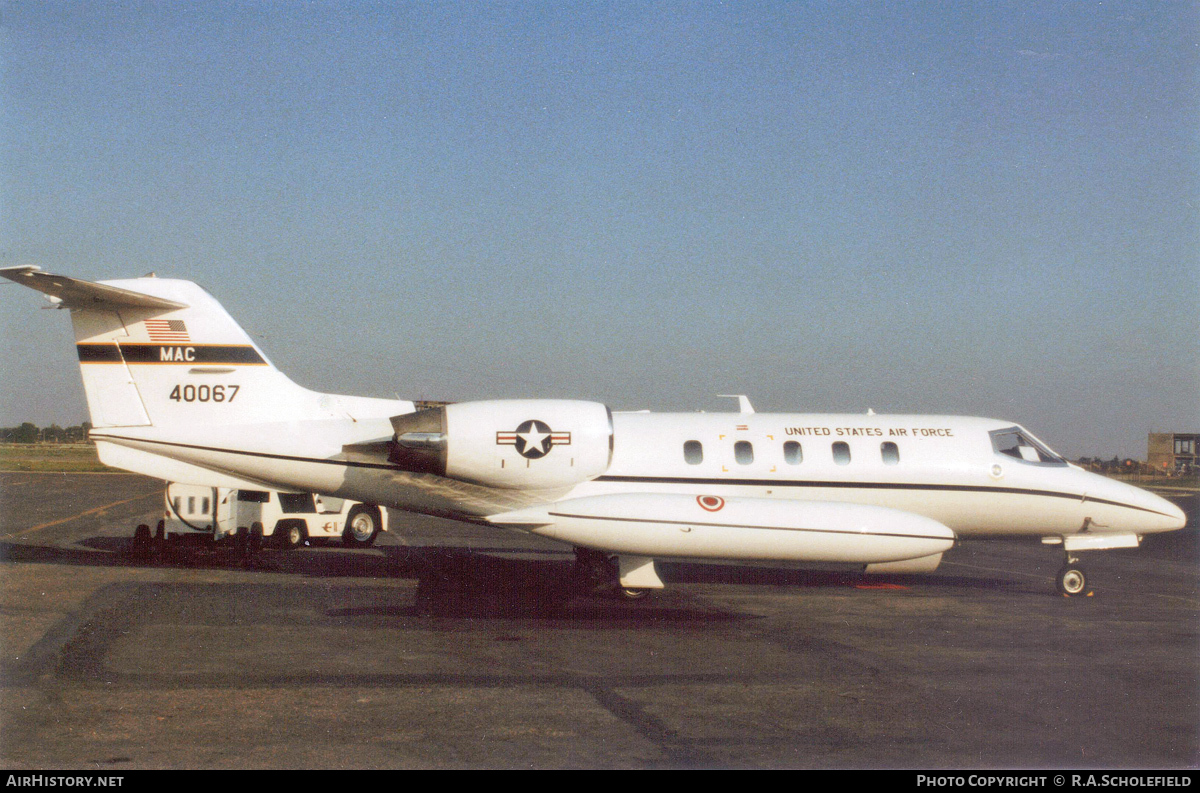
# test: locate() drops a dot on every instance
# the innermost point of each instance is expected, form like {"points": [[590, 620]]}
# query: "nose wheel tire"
{"points": [[1071, 581]]}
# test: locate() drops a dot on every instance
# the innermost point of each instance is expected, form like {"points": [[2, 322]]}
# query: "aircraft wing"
{"points": [[74, 293], [678, 525]]}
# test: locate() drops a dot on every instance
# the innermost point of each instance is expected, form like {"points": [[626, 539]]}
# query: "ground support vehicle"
{"points": [[255, 517]]}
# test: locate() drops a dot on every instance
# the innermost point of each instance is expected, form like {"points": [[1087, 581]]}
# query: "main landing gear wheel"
{"points": [[1071, 581], [362, 524], [597, 573], [594, 572]]}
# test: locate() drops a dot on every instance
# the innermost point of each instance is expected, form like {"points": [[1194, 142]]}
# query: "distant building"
{"points": [[1173, 451]]}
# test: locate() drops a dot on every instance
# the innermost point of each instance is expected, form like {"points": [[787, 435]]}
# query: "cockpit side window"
{"points": [[1016, 443]]}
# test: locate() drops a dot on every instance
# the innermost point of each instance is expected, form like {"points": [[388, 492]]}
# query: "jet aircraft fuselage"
{"points": [[177, 390]]}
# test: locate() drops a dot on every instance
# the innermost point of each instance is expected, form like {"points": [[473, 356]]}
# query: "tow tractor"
{"points": [[257, 517]]}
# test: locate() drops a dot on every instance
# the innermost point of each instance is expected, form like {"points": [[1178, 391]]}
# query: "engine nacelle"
{"points": [[524, 444]]}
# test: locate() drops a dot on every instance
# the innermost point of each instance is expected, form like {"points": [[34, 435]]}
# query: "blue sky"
{"points": [[984, 209]]}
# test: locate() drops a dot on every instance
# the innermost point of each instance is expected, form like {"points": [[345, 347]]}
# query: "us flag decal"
{"points": [[167, 331]]}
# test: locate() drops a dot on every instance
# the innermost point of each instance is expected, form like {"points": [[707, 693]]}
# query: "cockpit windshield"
{"points": [[1019, 444]]}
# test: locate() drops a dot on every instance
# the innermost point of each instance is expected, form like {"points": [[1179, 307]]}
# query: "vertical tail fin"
{"points": [[164, 353]]}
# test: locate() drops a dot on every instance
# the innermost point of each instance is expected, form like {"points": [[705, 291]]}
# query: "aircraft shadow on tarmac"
{"points": [[453, 582]]}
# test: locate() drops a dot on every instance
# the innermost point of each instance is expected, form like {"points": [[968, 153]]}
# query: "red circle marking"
{"points": [[710, 503]]}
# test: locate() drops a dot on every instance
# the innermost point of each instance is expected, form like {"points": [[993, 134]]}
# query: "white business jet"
{"points": [[178, 391]]}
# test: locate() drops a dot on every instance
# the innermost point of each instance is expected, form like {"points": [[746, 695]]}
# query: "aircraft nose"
{"points": [[1170, 516], [1178, 516], [1144, 513]]}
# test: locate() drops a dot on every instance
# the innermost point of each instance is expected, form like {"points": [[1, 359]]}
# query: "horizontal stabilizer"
{"points": [[173, 470], [74, 293]]}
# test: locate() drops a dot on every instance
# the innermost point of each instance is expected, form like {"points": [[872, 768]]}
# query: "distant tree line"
{"points": [[31, 433], [1114, 466]]}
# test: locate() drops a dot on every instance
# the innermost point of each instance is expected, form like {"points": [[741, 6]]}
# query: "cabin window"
{"points": [[743, 452], [254, 496], [178, 505], [841, 453], [204, 505], [792, 453], [890, 452], [191, 505], [693, 452], [1016, 443], [329, 504], [297, 502]]}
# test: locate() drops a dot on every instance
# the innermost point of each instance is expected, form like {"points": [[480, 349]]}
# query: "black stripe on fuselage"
{"points": [[667, 479], [749, 526], [94, 435], [710, 481], [169, 353]]}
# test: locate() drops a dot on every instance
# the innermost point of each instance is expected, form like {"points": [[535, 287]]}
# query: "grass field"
{"points": [[55, 457]]}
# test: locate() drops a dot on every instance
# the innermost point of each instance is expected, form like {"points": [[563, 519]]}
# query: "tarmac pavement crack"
{"points": [[75, 646], [667, 740]]}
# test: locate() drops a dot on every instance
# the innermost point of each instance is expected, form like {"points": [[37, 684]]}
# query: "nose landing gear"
{"points": [[1071, 580]]}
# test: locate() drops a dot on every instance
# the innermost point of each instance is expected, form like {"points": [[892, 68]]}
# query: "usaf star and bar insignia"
{"points": [[533, 439]]}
